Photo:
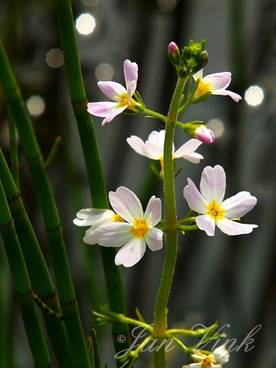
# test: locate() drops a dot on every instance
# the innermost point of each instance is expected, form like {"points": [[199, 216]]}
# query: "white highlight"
{"points": [[85, 24], [36, 105], [104, 71], [217, 127], [54, 58], [254, 95]]}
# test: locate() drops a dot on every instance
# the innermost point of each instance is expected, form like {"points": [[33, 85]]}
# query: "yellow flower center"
{"points": [[207, 362], [215, 210], [202, 89], [117, 218], [123, 100], [139, 228]]}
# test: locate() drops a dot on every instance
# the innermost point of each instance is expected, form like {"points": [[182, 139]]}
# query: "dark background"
{"points": [[227, 279]]}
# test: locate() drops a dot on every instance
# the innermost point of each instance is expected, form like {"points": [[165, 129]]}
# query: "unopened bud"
{"points": [[204, 134], [174, 53]]}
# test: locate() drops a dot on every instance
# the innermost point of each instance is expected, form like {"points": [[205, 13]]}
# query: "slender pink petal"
{"points": [[218, 80], [194, 198], [153, 211], [204, 134], [114, 234], [101, 109], [112, 89], [230, 227], [93, 217], [126, 204], [187, 148], [225, 92], [116, 111], [131, 253], [206, 223], [131, 76], [154, 239], [137, 145], [239, 204], [213, 183]]}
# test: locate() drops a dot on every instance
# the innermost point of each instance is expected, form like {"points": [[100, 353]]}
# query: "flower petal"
{"points": [[116, 111], [193, 365], [131, 253], [221, 354], [225, 92], [126, 204], [153, 211], [101, 109], [131, 76], [111, 89], [198, 75], [194, 198], [239, 204], [154, 145], [187, 148], [93, 217], [114, 234], [137, 145], [91, 236], [218, 80], [213, 183], [206, 223], [230, 227], [194, 158], [154, 239]]}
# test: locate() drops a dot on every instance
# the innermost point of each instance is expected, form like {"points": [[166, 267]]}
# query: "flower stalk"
{"points": [[160, 313]]}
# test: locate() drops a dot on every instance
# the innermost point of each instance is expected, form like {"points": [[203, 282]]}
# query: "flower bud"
{"points": [[174, 53], [199, 131], [204, 134], [195, 57]]}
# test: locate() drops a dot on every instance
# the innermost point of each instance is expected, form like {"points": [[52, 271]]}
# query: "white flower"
{"points": [[216, 359], [154, 146], [121, 96], [213, 209], [128, 228], [215, 84], [95, 218]]}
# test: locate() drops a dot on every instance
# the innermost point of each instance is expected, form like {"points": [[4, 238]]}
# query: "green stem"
{"points": [[50, 213], [39, 274], [13, 150], [92, 158], [23, 288], [160, 313]]}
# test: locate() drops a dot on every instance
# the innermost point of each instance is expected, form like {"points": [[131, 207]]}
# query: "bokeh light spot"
{"points": [[36, 105], [85, 24], [104, 71], [54, 58], [254, 95], [217, 127]]}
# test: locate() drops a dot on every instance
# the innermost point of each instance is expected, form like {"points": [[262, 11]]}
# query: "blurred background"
{"points": [[232, 280]]}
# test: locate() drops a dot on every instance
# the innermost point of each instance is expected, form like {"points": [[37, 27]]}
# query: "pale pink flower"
{"points": [[120, 95], [153, 147], [216, 84], [215, 359], [128, 228], [213, 209], [204, 134]]}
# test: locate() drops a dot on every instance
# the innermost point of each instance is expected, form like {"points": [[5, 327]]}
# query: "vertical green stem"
{"points": [[13, 150], [160, 313], [49, 210], [92, 159], [23, 288]]}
